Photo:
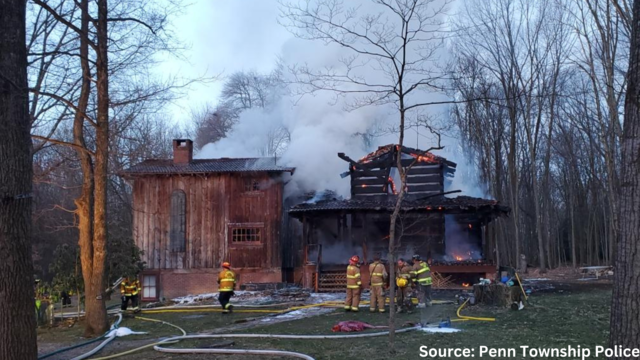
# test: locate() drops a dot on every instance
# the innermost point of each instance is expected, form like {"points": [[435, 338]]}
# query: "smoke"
{"points": [[319, 125], [319, 128], [467, 177]]}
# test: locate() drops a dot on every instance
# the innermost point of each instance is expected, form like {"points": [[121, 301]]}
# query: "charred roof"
{"points": [[460, 204]]}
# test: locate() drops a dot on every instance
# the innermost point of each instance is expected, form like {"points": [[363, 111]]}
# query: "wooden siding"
{"points": [[212, 204]]}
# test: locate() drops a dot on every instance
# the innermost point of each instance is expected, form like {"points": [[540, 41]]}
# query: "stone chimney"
{"points": [[182, 151]]}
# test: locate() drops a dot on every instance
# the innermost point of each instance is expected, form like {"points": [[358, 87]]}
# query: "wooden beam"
{"points": [[423, 179], [347, 159], [377, 189], [368, 173], [371, 181], [424, 188], [407, 162], [424, 170]]}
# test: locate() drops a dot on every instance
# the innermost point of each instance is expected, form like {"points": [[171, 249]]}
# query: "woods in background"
{"points": [[546, 135]]}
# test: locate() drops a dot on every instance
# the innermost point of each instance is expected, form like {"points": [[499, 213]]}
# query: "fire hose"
{"points": [[114, 326], [209, 308], [470, 317], [172, 340]]}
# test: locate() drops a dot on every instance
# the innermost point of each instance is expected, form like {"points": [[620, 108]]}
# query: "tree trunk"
{"points": [[95, 306], [392, 231], [84, 203], [17, 312], [625, 309]]}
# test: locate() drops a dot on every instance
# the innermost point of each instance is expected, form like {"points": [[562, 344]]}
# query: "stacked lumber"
{"points": [[441, 282]]}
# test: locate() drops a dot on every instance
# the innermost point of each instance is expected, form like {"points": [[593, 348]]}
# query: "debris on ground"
{"points": [[353, 326], [264, 297]]}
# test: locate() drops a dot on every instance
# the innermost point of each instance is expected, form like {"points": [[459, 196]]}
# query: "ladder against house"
{"points": [[332, 281]]}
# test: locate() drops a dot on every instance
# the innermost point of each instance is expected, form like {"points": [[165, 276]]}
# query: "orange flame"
{"points": [[466, 284], [393, 186], [459, 258], [426, 157]]}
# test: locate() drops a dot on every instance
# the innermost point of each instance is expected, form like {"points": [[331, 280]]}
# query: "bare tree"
{"points": [[116, 41], [213, 124], [17, 323], [391, 51], [625, 312]]}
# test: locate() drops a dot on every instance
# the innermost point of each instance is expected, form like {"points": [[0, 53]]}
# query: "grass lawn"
{"points": [[550, 320]]}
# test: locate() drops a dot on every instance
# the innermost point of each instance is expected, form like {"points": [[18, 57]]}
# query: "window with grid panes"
{"points": [[246, 235]]}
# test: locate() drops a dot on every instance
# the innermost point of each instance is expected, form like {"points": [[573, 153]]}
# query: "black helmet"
{"points": [[415, 257]]}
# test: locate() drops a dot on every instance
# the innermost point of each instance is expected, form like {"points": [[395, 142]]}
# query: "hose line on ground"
{"points": [[471, 317], [235, 351], [114, 326], [156, 345]]}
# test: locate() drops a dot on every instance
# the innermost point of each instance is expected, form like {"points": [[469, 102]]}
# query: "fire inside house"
{"points": [[448, 231], [190, 215]]}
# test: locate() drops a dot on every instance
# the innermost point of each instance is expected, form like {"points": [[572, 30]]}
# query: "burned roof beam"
{"points": [[344, 157]]}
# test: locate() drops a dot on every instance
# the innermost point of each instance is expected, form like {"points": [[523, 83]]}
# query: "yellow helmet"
{"points": [[402, 282]]}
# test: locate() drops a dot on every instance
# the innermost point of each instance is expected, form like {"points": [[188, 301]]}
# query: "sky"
{"points": [[223, 36]]}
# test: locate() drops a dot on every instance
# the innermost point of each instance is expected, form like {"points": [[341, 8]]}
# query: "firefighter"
{"points": [[353, 285], [422, 277], [377, 278], [403, 281], [226, 285], [129, 289]]}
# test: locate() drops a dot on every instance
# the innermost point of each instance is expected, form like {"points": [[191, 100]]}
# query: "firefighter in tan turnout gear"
{"points": [[403, 281], [377, 278], [129, 289], [422, 276], [226, 285], [353, 285]]}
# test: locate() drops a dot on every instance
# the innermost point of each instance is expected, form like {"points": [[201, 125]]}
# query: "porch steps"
{"points": [[332, 281]]}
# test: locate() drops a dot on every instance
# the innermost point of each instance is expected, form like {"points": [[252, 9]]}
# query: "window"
{"points": [[149, 287], [251, 185], [246, 235], [178, 221]]}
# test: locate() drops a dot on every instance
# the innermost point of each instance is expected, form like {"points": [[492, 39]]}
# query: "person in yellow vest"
{"points": [[422, 276], [353, 285], [377, 278], [129, 289], [403, 281], [226, 285]]}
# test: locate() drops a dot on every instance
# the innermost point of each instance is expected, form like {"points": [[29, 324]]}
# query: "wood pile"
{"points": [[440, 282]]}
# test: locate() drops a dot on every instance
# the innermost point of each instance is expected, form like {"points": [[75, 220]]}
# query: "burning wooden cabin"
{"points": [[451, 232], [191, 215]]}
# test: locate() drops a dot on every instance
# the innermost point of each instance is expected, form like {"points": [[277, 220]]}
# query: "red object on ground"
{"points": [[352, 326]]}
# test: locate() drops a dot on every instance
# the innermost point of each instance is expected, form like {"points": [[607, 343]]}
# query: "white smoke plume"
{"points": [[320, 127]]}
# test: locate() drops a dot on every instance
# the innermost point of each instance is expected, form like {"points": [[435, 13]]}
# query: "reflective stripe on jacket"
{"points": [[353, 277], [226, 280], [422, 273], [378, 274], [129, 288]]}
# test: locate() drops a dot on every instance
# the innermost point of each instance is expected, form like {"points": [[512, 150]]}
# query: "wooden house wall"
{"points": [[213, 203]]}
